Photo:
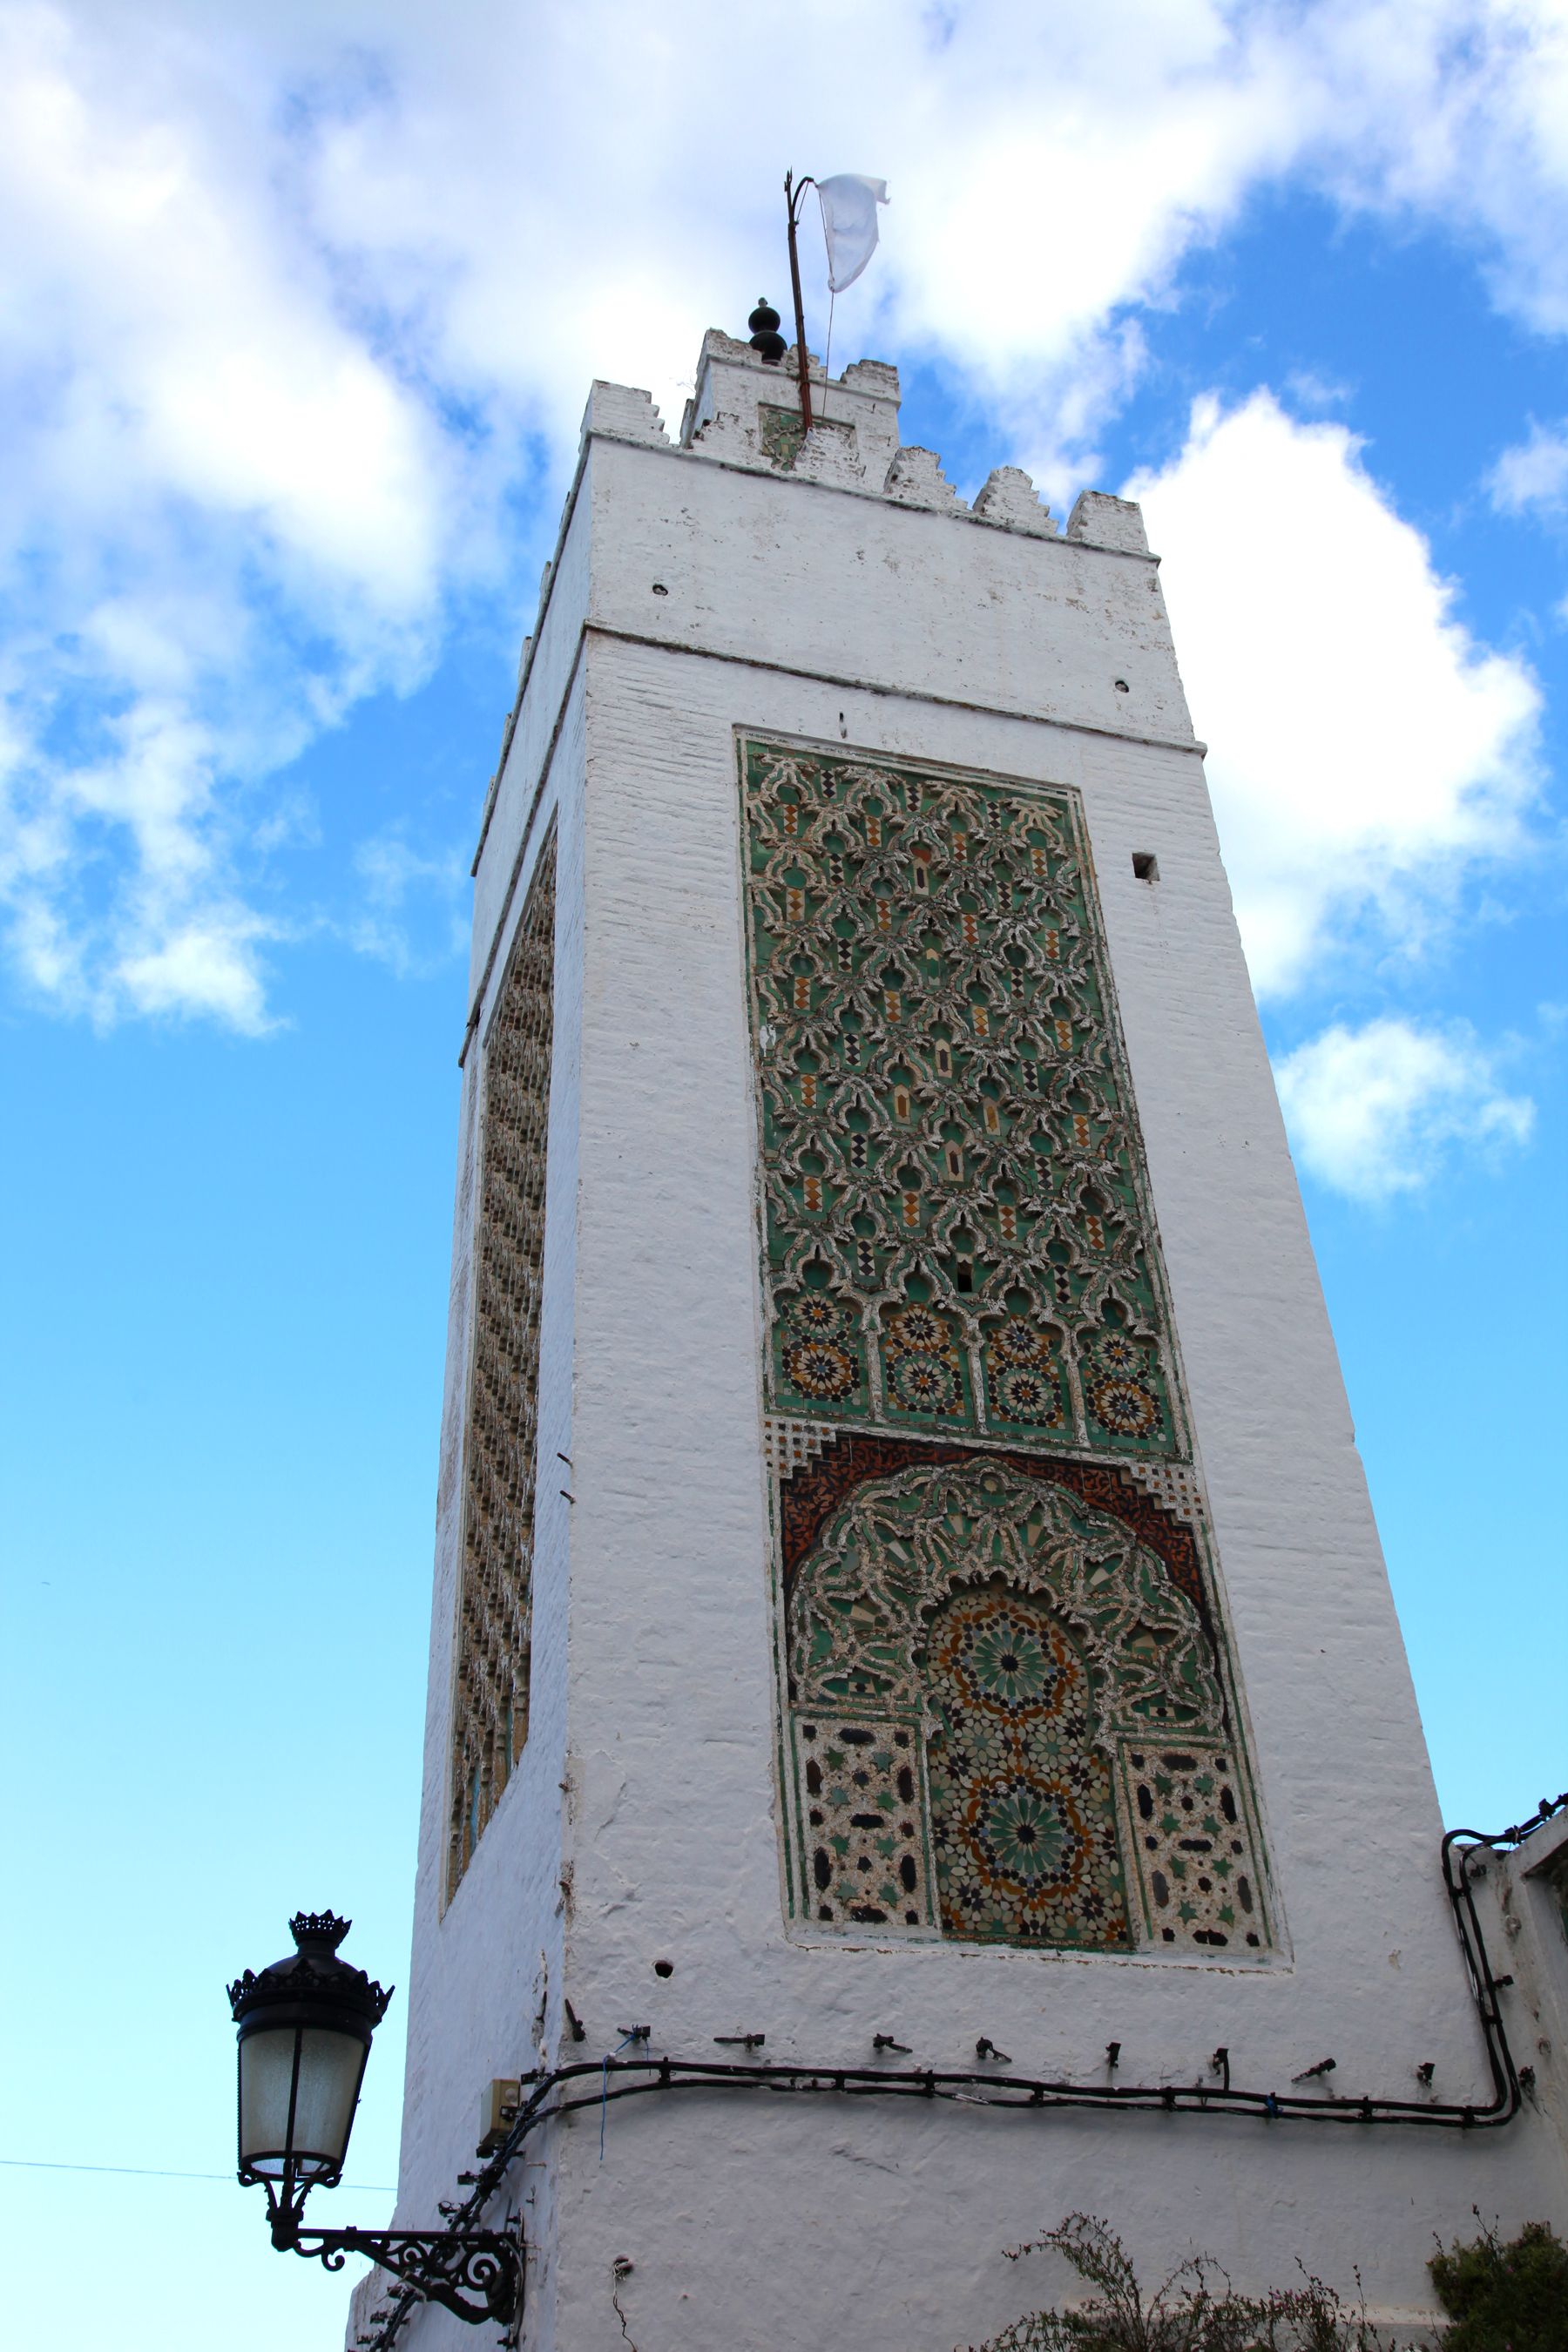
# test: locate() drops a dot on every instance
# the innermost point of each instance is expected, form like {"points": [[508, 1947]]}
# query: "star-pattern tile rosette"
{"points": [[1023, 1802], [1024, 1646]]}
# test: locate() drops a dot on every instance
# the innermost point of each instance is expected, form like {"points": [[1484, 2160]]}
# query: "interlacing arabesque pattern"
{"points": [[1006, 1720], [956, 1229], [859, 1608], [1028, 1648], [495, 1602]]}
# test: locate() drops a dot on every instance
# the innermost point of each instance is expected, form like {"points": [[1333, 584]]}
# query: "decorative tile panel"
{"points": [[864, 1813], [781, 431], [1023, 1804], [1176, 1485], [788, 1444], [495, 1596], [957, 1230], [1195, 1865], [1035, 1630], [860, 1603], [995, 1585]]}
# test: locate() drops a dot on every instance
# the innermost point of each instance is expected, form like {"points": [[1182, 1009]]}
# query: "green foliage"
{"points": [[1195, 2310], [1510, 2297]]}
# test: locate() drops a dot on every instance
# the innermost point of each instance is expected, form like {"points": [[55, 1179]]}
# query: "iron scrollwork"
{"points": [[443, 2266]]}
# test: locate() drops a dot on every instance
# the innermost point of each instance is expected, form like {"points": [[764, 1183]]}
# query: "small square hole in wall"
{"points": [[1146, 866]]}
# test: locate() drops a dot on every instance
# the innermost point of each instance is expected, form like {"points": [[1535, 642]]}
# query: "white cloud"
{"points": [[1377, 1110], [1534, 473], [204, 966], [190, 326], [1367, 752], [298, 301], [392, 875]]}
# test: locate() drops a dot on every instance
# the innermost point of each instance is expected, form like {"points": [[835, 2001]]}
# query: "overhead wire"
{"points": [[159, 2172]]}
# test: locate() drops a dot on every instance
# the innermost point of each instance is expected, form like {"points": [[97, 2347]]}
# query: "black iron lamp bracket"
{"points": [[307, 2021], [447, 2266]]}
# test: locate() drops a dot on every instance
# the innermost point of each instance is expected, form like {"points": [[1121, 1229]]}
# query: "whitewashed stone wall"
{"points": [[855, 600]]}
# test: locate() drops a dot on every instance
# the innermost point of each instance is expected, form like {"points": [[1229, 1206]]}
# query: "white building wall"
{"points": [[840, 615]]}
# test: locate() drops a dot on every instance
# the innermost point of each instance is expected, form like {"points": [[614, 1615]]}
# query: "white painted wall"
{"points": [[840, 613]]}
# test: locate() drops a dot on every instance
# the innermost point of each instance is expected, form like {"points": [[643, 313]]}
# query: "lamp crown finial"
{"points": [[312, 1971], [319, 1927]]}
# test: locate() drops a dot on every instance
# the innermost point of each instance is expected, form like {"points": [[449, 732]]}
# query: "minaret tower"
{"points": [[906, 1590]]}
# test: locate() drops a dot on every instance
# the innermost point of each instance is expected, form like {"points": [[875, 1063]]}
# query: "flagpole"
{"points": [[792, 196]]}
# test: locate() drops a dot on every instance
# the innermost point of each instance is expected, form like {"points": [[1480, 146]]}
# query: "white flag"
{"points": [[850, 204]]}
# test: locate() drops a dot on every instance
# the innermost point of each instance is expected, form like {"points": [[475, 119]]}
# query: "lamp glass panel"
{"points": [[331, 2065], [265, 2075]]}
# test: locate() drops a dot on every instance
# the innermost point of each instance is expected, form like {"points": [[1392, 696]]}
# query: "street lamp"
{"points": [[305, 2027]]}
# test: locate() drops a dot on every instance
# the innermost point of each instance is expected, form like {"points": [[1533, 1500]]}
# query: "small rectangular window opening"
{"points": [[1146, 866]]}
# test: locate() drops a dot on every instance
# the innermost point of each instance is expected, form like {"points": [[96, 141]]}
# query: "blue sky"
{"points": [[298, 312]]}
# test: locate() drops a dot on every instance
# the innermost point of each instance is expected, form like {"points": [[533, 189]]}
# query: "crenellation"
{"points": [[915, 478], [731, 434], [620, 409], [1009, 499], [746, 412], [877, 376], [716, 344], [733, 382], [1099, 520], [866, 395]]}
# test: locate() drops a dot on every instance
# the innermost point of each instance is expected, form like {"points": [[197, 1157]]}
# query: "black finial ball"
{"points": [[763, 323]]}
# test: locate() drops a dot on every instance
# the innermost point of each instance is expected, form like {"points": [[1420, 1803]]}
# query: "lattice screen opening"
{"points": [[489, 1712]]}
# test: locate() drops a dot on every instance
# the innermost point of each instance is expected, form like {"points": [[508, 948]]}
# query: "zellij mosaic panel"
{"points": [[955, 1224], [1007, 1709]]}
